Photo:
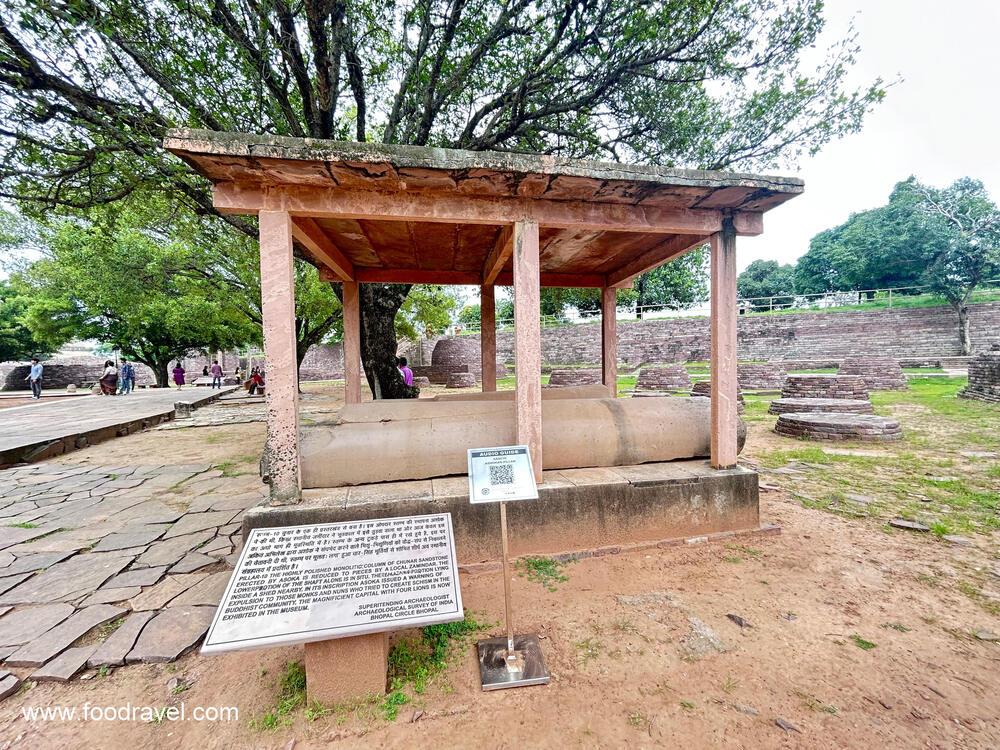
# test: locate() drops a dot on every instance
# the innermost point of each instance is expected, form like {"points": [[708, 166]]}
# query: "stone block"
{"points": [[345, 669]]}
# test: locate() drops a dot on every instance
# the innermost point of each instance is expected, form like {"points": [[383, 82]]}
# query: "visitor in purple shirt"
{"points": [[404, 370]]}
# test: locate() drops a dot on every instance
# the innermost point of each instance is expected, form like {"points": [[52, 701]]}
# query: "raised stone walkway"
{"points": [[46, 429], [109, 565]]}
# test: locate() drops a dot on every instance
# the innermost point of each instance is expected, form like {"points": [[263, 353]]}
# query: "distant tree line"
{"points": [[946, 240]]}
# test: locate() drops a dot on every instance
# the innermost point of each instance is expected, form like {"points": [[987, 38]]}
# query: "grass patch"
{"points": [[414, 662], [863, 644], [587, 650], [544, 570], [291, 695], [22, 525], [897, 626]]}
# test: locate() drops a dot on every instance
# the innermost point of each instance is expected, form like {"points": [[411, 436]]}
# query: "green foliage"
{"points": [[427, 311], [544, 570], [470, 315], [17, 342], [767, 278], [862, 643], [676, 285], [120, 279]]}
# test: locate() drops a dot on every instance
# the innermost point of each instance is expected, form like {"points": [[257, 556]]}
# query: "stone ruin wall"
{"points": [[918, 333]]}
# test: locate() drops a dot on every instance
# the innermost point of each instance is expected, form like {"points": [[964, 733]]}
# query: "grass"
{"points": [[415, 662], [544, 570], [923, 477], [291, 695], [22, 525], [861, 643], [587, 650]]}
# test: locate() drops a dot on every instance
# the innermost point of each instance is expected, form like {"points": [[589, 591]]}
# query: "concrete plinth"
{"points": [[345, 669], [577, 509]]}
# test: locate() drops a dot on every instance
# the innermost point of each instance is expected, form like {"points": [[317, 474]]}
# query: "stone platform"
{"points": [[839, 426], [803, 405], [879, 373], [825, 386], [461, 380], [574, 376], [46, 429], [577, 509], [703, 388]]}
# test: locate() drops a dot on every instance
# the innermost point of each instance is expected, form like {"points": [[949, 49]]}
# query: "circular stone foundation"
{"points": [[703, 388], [421, 382], [879, 373], [574, 376], [810, 405], [461, 380], [663, 378], [838, 426], [761, 376], [825, 386]]}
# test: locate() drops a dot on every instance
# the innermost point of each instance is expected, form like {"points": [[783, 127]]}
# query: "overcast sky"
{"points": [[939, 123]]}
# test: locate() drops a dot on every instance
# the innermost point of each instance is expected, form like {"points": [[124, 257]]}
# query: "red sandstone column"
{"points": [[723, 327], [528, 341], [352, 343], [488, 336], [609, 340], [277, 291]]}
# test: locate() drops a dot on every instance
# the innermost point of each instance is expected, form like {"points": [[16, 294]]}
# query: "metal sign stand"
{"points": [[511, 660]]}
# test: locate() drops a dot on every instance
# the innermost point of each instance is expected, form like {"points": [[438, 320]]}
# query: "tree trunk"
{"points": [[379, 305], [159, 368], [964, 333]]}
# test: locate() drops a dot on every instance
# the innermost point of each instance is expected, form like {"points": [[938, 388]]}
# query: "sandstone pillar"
{"points": [[277, 289], [488, 336], [609, 340], [352, 343], [527, 341], [723, 331]]}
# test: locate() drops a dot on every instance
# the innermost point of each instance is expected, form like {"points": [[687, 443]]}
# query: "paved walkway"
{"points": [[52, 427], [109, 565]]}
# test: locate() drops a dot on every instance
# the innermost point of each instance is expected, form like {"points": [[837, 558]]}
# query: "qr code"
{"points": [[501, 474]]}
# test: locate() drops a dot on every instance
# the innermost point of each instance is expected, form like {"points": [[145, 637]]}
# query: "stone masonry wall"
{"points": [[906, 333]]}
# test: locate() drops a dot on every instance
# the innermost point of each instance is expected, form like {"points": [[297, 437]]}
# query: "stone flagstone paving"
{"points": [[113, 565]]}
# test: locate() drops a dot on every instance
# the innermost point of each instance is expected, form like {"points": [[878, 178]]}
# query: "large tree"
{"points": [[17, 342], [968, 221], [88, 88], [767, 279], [117, 282]]}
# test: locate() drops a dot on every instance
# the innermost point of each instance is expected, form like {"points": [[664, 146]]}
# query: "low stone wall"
{"points": [[825, 386], [665, 378], [984, 376], [575, 376], [461, 380], [436, 374], [769, 376], [59, 373], [839, 426], [879, 373]]}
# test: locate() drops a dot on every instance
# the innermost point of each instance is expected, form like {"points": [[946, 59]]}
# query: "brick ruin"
{"points": [[836, 405], [703, 388], [761, 376], [839, 426], [984, 376], [879, 373], [663, 378], [825, 386], [575, 376], [461, 380]]}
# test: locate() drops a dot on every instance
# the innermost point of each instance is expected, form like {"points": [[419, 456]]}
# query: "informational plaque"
{"points": [[296, 584], [501, 474]]}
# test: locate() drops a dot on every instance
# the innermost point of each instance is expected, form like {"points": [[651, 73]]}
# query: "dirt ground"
{"points": [[854, 637]]}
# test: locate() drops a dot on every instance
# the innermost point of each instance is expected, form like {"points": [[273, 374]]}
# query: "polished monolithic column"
{"points": [[277, 291], [488, 336], [352, 343], [609, 340]]}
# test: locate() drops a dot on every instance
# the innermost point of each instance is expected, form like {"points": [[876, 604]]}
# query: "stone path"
{"points": [[52, 427], [111, 565]]}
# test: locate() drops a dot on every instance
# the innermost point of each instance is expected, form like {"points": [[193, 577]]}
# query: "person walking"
{"points": [[178, 373], [109, 380], [35, 378], [217, 374], [126, 378]]}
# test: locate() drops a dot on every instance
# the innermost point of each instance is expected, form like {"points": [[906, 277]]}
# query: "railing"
{"points": [[887, 298]]}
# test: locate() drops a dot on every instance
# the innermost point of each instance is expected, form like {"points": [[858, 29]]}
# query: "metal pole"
{"points": [[506, 582]]}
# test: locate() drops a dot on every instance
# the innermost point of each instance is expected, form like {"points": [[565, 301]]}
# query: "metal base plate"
{"points": [[528, 667]]}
